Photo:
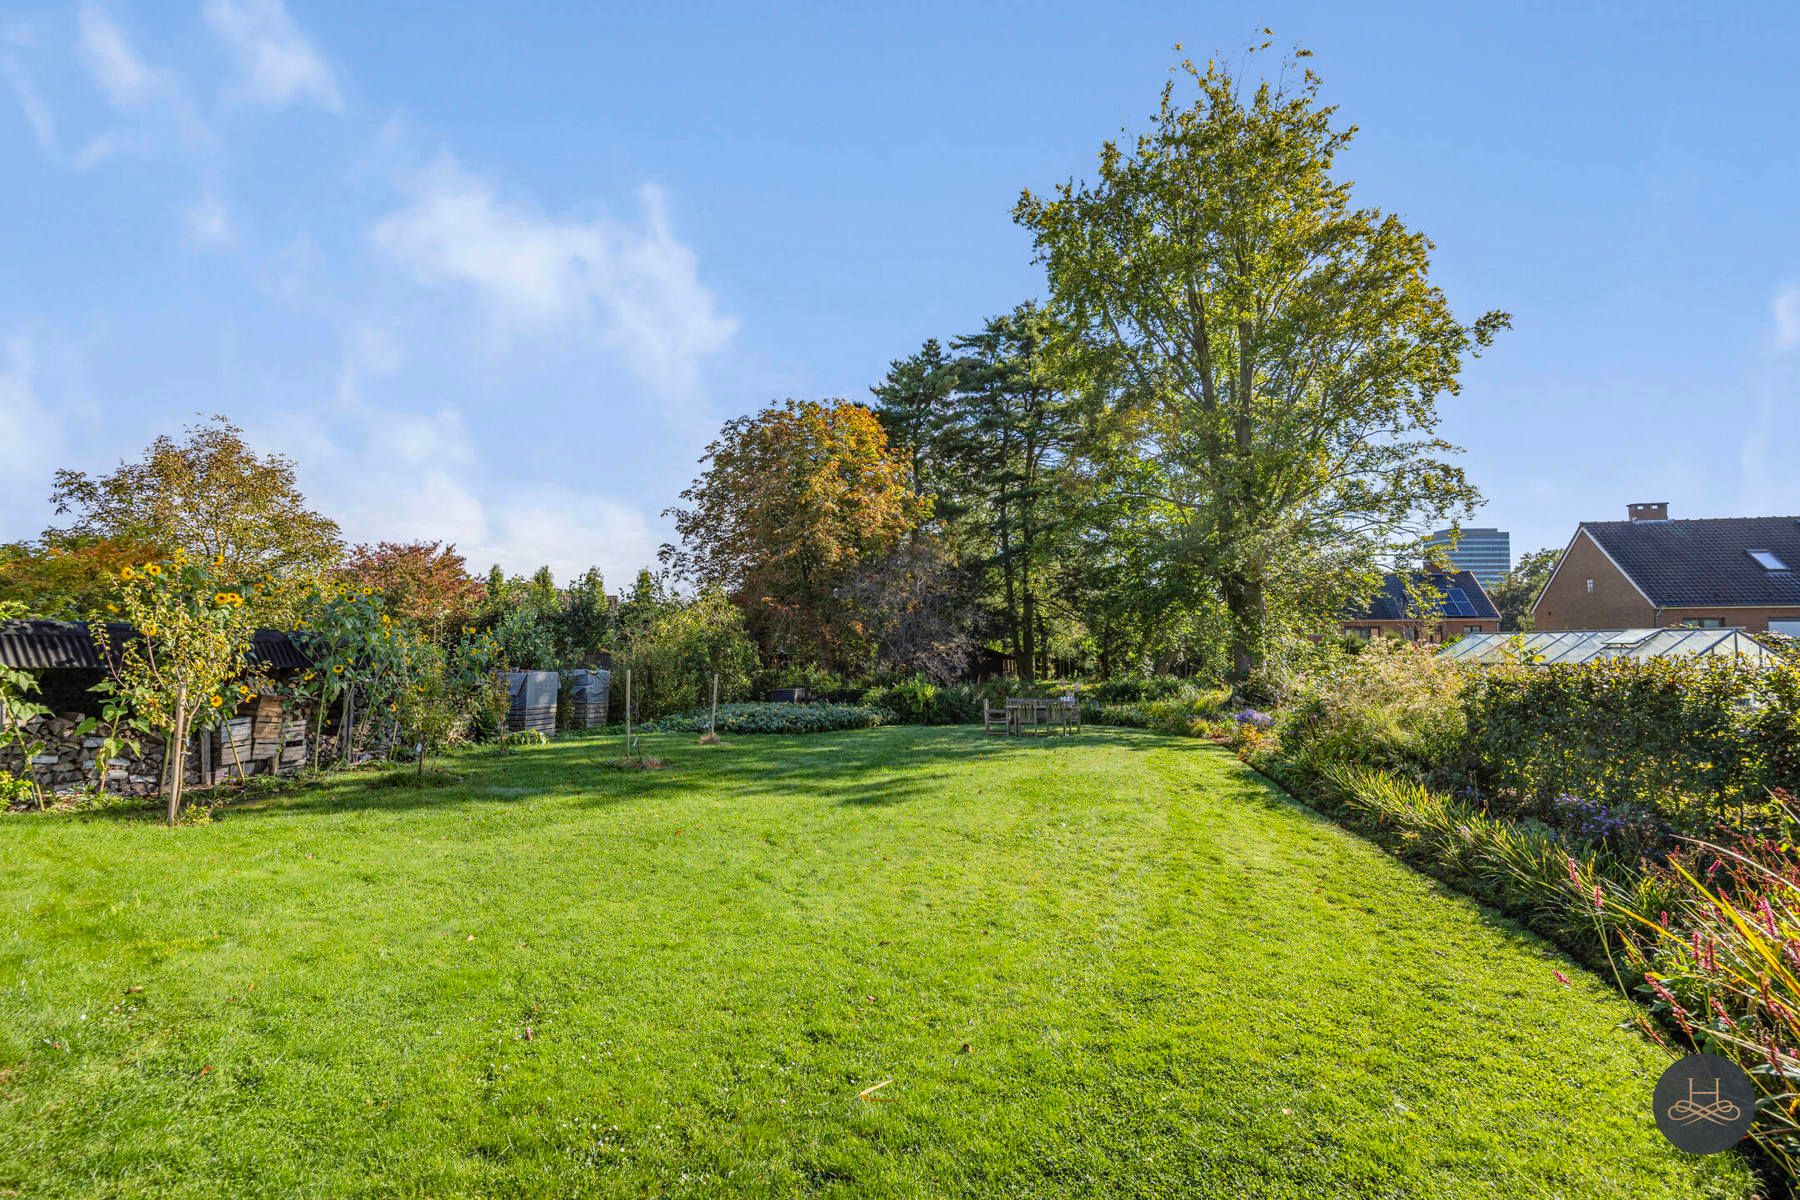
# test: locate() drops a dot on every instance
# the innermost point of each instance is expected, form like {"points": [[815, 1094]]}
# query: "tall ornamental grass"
{"points": [[1720, 967]]}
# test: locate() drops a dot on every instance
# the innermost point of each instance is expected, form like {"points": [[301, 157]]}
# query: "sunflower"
{"points": [[338, 669], [217, 701], [128, 573], [152, 569]]}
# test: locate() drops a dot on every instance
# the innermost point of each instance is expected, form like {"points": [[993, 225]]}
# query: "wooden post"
{"points": [[627, 712], [349, 721], [177, 752], [713, 726], [206, 763]]}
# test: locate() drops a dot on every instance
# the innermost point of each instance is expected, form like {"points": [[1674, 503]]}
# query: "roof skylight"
{"points": [[1768, 560]]}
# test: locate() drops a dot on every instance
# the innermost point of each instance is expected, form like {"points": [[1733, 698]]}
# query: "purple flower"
{"points": [[1250, 716]]}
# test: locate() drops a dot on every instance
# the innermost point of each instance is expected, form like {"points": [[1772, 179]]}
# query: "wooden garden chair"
{"points": [[991, 717]]}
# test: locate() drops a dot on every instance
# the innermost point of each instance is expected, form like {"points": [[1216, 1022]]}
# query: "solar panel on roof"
{"points": [[1456, 603]]}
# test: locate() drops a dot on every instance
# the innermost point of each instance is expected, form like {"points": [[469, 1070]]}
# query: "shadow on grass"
{"points": [[853, 768], [1255, 789]]}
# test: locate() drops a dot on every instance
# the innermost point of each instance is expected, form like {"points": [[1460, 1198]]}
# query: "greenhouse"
{"points": [[1584, 645]]}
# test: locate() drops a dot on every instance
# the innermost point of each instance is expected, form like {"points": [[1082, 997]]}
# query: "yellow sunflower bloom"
{"points": [[128, 573], [217, 701], [338, 670], [152, 569]]}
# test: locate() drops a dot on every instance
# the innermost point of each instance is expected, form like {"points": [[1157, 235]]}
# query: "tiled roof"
{"points": [[1463, 596], [1680, 564], [38, 645]]}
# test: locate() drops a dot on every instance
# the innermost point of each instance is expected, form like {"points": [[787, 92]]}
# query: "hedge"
{"points": [[772, 718], [1701, 742]]}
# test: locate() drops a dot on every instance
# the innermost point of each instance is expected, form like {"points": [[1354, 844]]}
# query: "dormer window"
{"points": [[1768, 560]]}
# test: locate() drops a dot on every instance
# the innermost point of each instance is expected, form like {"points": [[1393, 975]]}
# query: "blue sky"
{"points": [[494, 273]]}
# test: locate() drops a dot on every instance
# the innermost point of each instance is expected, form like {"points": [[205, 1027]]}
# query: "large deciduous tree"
{"points": [[1281, 350], [209, 495], [792, 502]]}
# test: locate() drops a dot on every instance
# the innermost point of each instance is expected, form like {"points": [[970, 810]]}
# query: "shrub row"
{"points": [[1698, 742], [772, 718], [1193, 710]]}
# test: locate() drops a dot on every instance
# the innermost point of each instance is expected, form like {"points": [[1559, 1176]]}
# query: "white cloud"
{"points": [[123, 75], [637, 288], [30, 438], [404, 477], [390, 474], [37, 113], [1787, 317], [208, 222], [149, 94], [276, 64]]}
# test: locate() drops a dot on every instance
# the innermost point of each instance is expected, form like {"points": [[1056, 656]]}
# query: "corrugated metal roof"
{"points": [[1585, 645], [67, 645]]}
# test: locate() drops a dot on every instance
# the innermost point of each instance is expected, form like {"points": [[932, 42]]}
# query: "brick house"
{"points": [[1463, 607], [1649, 572]]}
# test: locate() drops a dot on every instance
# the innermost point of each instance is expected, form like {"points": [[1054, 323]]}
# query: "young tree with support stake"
{"points": [[1280, 352], [193, 638]]}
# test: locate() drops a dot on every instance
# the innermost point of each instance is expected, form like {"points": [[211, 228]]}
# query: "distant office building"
{"points": [[1484, 553]]}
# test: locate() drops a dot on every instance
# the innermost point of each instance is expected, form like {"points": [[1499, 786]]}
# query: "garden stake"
{"points": [[175, 757]]}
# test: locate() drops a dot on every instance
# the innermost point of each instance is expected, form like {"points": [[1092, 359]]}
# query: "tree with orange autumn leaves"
{"points": [[425, 582], [792, 503]]}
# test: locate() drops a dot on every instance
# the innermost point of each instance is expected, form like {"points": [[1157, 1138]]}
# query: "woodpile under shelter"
{"points": [[260, 737]]}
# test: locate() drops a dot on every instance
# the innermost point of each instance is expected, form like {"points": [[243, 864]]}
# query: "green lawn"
{"points": [[1117, 965]]}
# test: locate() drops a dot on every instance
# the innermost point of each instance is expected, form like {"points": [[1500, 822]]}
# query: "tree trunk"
{"points": [[1012, 605], [1245, 602], [1028, 633]]}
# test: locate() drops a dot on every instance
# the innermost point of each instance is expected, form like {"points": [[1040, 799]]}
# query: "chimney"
{"points": [[1651, 510]]}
